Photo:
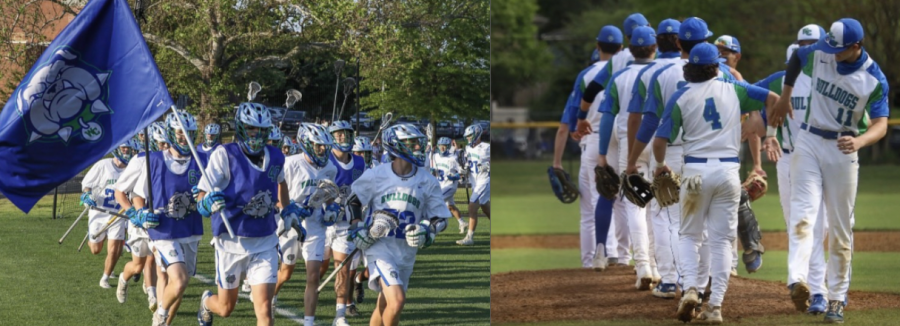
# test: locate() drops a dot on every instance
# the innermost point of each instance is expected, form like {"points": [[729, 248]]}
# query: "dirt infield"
{"points": [[534, 296], [862, 241]]}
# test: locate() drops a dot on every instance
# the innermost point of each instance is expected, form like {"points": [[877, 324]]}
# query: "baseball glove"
{"points": [[607, 180], [562, 185], [756, 186], [666, 189], [637, 189]]}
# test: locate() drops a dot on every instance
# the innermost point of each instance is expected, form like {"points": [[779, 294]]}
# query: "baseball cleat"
{"points": [[752, 261], [710, 316], [665, 290], [463, 226], [656, 277], [644, 277], [800, 296], [600, 262], [817, 305], [204, 316], [121, 291], [467, 241], [352, 311], [612, 261], [734, 272], [686, 306], [835, 313]]}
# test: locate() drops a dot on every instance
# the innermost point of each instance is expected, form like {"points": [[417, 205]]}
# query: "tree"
{"points": [[518, 58]]}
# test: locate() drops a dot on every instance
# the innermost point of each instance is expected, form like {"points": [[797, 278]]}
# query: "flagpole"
{"points": [[139, 16]]}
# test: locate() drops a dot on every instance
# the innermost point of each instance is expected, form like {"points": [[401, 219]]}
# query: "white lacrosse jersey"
{"points": [[446, 165], [412, 200], [843, 102], [101, 178], [302, 178], [618, 95], [705, 111], [475, 156], [127, 181]]}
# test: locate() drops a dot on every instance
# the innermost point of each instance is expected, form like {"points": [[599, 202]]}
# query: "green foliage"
{"points": [[518, 58]]}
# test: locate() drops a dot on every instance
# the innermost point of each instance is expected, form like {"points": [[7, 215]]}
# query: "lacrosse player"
{"points": [[362, 147], [276, 138], [349, 168], [172, 224], [142, 258], [158, 141], [242, 183], [288, 147], [212, 138], [409, 211], [448, 175], [304, 173], [478, 164], [98, 183]]}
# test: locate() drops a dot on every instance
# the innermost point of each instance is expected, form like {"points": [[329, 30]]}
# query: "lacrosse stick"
{"points": [[429, 132], [73, 225], [340, 266], [200, 162], [86, 235], [349, 85], [326, 190], [293, 96], [254, 89], [115, 217], [385, 121], [338, 68]]}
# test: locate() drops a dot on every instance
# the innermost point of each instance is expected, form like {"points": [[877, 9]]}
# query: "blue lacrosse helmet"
{"points": [[157, 135], [276, 138], [310, 136], [212, 129], [405, 141], [444, 141], [473, 134], [342, 127], [189, 128], [127, 150], [252, 115]]}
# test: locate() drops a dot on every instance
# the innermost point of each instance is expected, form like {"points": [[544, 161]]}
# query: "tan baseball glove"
{"points": [[666, 188]]}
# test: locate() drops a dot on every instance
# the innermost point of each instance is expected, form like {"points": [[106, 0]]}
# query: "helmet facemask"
{"points": [[343, 139], [252, 139], [179, 140]]}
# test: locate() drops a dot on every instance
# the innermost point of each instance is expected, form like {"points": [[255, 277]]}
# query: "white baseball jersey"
{"points": [[413, 199], [101, 178], [799, 101], [593, 115], [475, 157], [704, 111], [446, 165], [618, 95], [302, 178], [645, 77], [843, 102]]}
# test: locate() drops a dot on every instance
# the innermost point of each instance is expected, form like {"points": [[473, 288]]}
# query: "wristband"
{"points": [[771, 131], [660, 164], [582, 115]]}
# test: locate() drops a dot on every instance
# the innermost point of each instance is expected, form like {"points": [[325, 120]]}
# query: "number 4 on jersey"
{"points": [[710, 114]]}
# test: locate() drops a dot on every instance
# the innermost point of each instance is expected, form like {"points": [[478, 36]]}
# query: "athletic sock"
{"points": [[162, 312], [152, 290], [341, 310], [309, 320], [469, 234]]}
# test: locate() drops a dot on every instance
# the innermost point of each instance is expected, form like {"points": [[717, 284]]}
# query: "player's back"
{"points": [[622, 84], [712, 128]]}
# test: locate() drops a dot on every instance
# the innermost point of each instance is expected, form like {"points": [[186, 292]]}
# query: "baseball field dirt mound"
{"points": [[577, 294]]}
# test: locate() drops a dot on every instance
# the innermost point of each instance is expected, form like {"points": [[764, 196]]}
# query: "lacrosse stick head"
{"points": [[382, 223], [293, 96], [338, 67], [326, 190], [254, 89], [349, 85], [429, 131]]}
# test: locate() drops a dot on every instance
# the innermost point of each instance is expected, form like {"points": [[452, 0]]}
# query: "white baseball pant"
{"points": [[636, 216], [587, 187], [817, 259], [665, 223]]}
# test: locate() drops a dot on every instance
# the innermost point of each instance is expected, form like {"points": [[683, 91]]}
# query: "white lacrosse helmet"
{"points": [[252, 115], [473, 134], [158, 134], [309, 136], [444, 141], [212, 129], [405, 141], [363, 144], [132, 144], [189, 129], [344, 127], [276, 137]]}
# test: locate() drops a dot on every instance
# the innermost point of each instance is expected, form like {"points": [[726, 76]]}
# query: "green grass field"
{"points": [[523, 186], [50, 284]]}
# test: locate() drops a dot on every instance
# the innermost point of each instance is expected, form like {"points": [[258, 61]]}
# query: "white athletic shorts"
{"points": [[481, 193], [391, 273], [258, 268], [138, 242], [340, 244], [313, 248], [448, 195], [289, 250], [115, 232], [169, 252]]}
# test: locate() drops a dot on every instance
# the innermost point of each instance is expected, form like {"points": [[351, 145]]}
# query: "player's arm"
{"points": [[668, 129], [783, 107], [608, 110], [565, 127], [590, 94], [877, 109]]}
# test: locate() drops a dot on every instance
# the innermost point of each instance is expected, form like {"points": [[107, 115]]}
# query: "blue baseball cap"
{"points": [[843, 33], [704, 54], [633, 21], [610, 34], [668, 26], [694, 29], [729, 42], [643, 36]]}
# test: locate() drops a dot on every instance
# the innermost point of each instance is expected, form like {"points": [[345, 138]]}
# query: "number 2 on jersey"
{"points": [[710, 114], [406, 218], [110, 199]]}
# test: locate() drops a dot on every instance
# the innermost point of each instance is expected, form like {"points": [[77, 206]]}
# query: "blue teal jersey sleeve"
{"points": [[606, 128], [772, 82], [805, 54], [671, 119], [877, 106], [752, 98], [570, 113]]}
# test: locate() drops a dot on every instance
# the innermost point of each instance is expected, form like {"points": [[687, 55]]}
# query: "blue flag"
{"points": [[93, 88]]}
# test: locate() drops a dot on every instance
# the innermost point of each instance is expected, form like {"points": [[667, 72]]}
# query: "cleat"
{"points": [[159, 320], [752, 261], [463, 225], [612, 261], [686, 306], [151, 301], [734, 272], [656, 277], [352, 311], [245, 287], [600, 261], [644, 277], [710, 316], [800, 296], [136, 278], [104, 283], [274, 302], [835, 313], [340, 321], [204, 316], [817, 305], [467, 241], [121, 291], [665, 290], [360, 293]]}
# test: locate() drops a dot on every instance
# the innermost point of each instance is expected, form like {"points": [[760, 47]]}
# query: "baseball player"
{"points": [[138, 239], [349, 168], [448, 175], [711, 185], [478, 165], [618, 94], [173, 174], [848, 110], [99, 184], [609, 42], [785, 138], [242, 183], [407, 191]]}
